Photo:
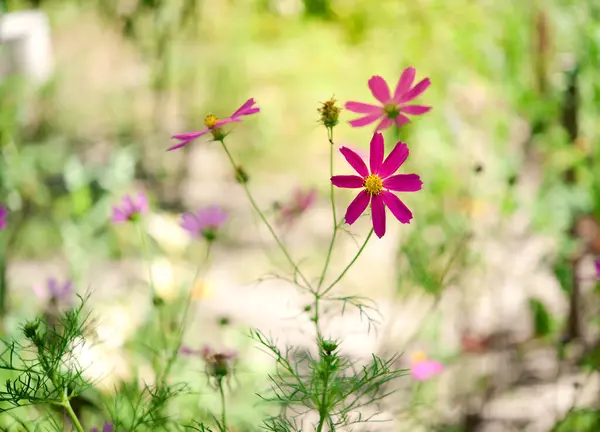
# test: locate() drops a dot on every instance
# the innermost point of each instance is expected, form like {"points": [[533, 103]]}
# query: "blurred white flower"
{"points": [[166, 231]]}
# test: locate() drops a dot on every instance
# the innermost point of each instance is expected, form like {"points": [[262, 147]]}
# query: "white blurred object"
{"points": [[26, 34]]}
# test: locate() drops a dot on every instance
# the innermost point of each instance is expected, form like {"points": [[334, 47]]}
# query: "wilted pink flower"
{"points": [[55, 291], [377, 184], [213, 125], [422, 368], [130, 209], [3, 214], [106, 428], [205, 222], [300, 202], [393, 107]]}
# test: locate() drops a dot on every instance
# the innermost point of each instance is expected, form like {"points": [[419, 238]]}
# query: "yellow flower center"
{"points": [[373, 184], [418, 356], [210, 121], [391, 110]]}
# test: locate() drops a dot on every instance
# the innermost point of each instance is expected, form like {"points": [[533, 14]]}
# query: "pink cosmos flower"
{"points": [[205, 222], [3, 214], [393, 108], [213, 124], [422, 368], [130, 209], [377, 183], [301, 201]]}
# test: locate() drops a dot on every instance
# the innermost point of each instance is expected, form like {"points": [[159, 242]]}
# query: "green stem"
{"points": [[265, 221], [335, 282], [223, 409], [323, 411], [171, 360], [67, 406], [335, 224]]}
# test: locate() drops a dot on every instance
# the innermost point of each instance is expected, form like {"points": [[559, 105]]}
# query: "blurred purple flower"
{"points": [[3, 214], [130, 209], [597, 264], [300, 202], [108, 427], [54, 291], [206, 222]]}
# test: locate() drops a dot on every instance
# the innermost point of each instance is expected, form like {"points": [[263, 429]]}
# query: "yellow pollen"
{"points": [[210, 121], [373, 184], [418, 356]]}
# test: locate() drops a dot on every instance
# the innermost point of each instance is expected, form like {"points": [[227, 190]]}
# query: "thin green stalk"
{"points": [[223, 409], [265, 221], [173, 356], [335, 224], [335, 282], [67, 405]]}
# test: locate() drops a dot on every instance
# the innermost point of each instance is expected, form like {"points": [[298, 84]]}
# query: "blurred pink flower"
{"points": [[205, 222], [393, 107], [377, 183], [301, 201], [597, 264], [422, 368], [213, 124], [218, 363], [130, 210], [3, 214]]}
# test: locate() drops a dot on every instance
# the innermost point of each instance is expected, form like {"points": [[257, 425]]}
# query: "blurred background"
{"points": [[494, 277]]}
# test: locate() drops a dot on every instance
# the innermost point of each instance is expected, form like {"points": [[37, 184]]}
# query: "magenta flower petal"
{"points": [[142, 203], [363, 108], [403, 183], [394, 160], [130, 209], [415, 91], [397, 207], [376, 158], [415, 109], [401, 120], [597, 264], [246, 109], [355, 161], [363, 121], [118, 216], [357, 207], [347, 181], [190, 135], [179, 145], [380, 89], [384, 124], [404, 83], [378, 215], [3, 214], [107, 427]]}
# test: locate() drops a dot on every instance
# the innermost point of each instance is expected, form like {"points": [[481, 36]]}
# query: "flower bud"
{"points": [[330, 113]]}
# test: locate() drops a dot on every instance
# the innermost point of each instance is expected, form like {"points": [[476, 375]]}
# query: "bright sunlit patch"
{"points": [[166, 231], [203, 289], [164, 279]]}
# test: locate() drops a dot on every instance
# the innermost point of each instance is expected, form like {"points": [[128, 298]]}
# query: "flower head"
{"points": [[206, 222], [393, 108], [55, 291], [130, 209], [213, 125], [422, 368], [329, 113], [3, 214], [108, 427], [377, 183], [301, 201], [219, 363]]}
